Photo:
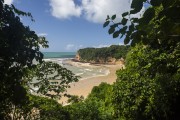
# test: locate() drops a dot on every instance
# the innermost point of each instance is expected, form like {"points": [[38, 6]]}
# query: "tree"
{"points": [[149, 86], [47, 109], [88, 110], [75, 99], [49, 79], [97, 106], [19, 47], [102, 54]]}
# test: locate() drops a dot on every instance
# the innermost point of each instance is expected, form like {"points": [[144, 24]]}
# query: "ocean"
{"points": [[59, 55], [83, 71]]}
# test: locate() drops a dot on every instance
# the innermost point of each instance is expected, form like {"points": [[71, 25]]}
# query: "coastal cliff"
{"points": [[108, 55], [109, 60]]}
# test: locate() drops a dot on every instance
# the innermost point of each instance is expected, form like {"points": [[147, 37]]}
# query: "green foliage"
{"points": [[97, 106], [149, 86], [18, 47], [49, 77], [21, 64], [96, 54], [103, 94], [74, 98], [85, 110], [48, 109], [40, 108], [160, 11]]}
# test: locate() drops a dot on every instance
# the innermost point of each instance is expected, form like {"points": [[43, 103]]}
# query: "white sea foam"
{"points": [[78, 74], [88, 69], [46, 60], [84, 71]]}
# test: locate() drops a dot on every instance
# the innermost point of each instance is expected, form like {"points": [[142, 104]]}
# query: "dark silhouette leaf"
{"points": [[124, 21], [116, 34], [125, 14], [136, 5], [106, 24], [126, 40], [113, 17], [111, 30]]}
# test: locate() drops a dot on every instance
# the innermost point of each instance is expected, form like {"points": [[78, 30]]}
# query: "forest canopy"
{"points": [[96, 54], [19, 49]]}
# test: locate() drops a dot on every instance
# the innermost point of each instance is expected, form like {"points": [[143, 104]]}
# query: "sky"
{"points": [[70, 25]]}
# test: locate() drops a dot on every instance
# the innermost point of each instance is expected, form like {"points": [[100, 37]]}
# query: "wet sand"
{"points": [[84, 86]]}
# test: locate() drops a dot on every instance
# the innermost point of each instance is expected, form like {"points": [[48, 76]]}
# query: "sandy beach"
{"points": [[84, 86]]}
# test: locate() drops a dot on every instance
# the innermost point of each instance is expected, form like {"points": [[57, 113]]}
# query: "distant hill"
{"points": [[105, 55]]}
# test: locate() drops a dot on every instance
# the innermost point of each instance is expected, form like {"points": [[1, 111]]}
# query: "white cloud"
{"points": [[9, 2], [64, 9], [97, 10], [21, 18], [70, 47], [105, 45], [93, 10], [101, 45], [121, 43], [42, 34], [79, 47]]}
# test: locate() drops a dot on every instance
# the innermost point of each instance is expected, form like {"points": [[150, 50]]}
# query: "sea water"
{"points": [[59, 55], [82, 71]]}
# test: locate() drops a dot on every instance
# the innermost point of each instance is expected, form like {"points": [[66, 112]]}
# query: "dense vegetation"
{"points": [[97, 54], [97, 106], [148, 89], [19, 47]]}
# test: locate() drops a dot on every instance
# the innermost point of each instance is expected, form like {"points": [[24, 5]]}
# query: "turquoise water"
{"points": [[59, 54], [82, 71]]}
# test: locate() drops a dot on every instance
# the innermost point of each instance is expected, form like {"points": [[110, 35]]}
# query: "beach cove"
{"points": [[91, 74], [84, 86]]}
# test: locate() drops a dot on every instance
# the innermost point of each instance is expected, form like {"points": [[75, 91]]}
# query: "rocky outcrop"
{"points": [[77, 57], [109, 60]]}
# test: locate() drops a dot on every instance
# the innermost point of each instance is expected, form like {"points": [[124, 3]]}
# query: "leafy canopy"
{"points": [[102, 54], [21, 62], [149, 86]]}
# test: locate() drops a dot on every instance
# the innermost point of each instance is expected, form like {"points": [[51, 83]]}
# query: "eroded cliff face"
{"points": [[77, 57], [109, 60]]}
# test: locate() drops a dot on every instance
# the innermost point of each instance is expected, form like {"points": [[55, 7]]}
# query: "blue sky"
{"points": [[70, 25]]}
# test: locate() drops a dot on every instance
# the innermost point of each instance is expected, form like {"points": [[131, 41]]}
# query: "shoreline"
{"points": [[84, 86]]}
